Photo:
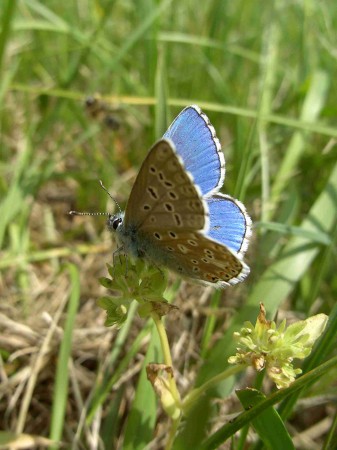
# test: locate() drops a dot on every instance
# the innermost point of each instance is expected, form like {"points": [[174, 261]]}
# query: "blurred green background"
{"points": [[86, 87]]}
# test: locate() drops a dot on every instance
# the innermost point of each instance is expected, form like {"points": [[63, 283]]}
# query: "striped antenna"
{"points": [[77, 213]]}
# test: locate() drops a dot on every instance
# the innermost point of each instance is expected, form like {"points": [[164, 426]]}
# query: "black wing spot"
{"points": [[153, 193], [177, 218], [173, 195], [192, 242], [169, 207]]}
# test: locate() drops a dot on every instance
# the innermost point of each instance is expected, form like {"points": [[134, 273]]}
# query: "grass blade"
{"points": [[311, 110], [142, 417], [6, 27], [62, 371]]}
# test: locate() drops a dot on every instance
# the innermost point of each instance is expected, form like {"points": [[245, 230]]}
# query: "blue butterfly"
{"points": [[175, 216]]}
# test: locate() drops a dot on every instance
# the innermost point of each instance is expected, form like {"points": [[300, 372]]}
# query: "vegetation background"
{"points": [[265, 74]]}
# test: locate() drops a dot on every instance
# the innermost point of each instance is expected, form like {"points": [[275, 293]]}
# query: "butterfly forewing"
{"points": [[195, 140], [164, 196]]}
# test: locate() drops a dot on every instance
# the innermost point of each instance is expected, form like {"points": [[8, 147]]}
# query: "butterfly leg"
{"points": [[119, 252], [158, 268]]}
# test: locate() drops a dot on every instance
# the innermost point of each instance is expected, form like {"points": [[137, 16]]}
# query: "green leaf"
{"points": [[268, 424], [116, 310], [324, 347], [315, 236]]}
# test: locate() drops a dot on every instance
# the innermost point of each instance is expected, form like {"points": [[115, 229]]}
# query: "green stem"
{"points": [[197, 392], [173, 387], [172, 433], [163, 339], [166, 353]]}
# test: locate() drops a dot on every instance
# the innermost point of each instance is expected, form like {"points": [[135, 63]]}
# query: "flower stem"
{"points": [[173, 387], [172, 433], [166, 353]]}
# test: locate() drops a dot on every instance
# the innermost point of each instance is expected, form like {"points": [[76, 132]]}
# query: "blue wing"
{"points": [[196, 142], [229, 222]]}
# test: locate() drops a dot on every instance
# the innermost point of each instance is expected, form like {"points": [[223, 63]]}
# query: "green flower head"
{"points": [[133, 281], [266, 346]]}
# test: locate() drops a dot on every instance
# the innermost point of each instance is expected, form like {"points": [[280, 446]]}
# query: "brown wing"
{"points": [[196, 256], [164, 194]]}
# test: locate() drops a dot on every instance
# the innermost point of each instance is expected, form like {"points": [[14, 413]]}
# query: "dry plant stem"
{"points": [[212, 382], [37, 366]]}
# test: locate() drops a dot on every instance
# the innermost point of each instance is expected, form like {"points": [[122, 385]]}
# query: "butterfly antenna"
{"points": [[77, 213], [105, 189]]}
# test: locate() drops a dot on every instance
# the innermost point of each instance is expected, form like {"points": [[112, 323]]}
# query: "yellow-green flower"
{"points": [[133, 281], [266, 346]]}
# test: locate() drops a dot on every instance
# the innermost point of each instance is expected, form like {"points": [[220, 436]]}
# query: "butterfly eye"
{"points": [[113, 222], [116, 223]]}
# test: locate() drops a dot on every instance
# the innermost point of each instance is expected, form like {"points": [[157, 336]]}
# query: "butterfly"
{"points": [[175, 216]]}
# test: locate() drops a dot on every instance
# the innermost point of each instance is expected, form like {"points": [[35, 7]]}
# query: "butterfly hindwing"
{"points": [[229, 222], [196, 256]]}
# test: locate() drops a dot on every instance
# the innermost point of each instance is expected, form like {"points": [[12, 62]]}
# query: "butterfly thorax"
{"points": [[133, 242], [127, 236]]}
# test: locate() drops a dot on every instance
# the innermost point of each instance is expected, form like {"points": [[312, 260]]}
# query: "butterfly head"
{"points": [[115, 221]]}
